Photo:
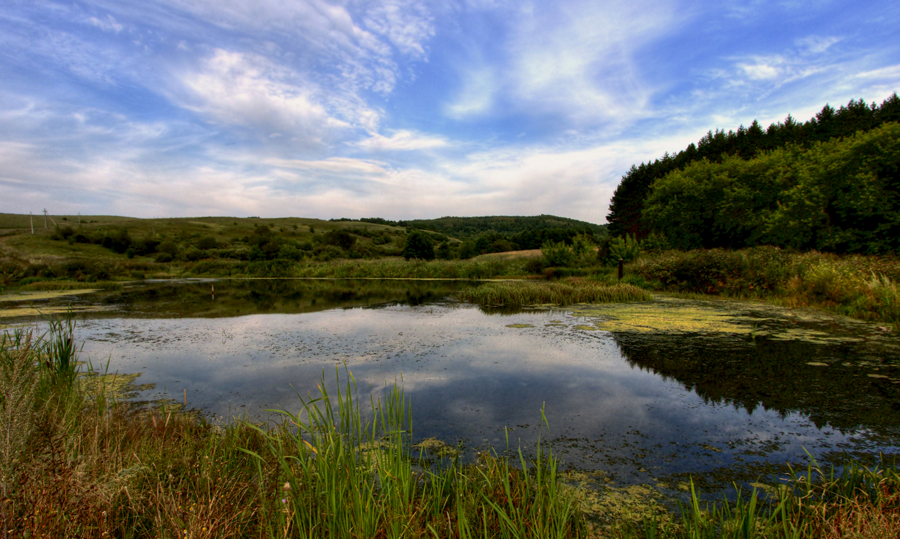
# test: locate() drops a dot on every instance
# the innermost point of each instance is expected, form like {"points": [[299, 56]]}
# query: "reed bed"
{"points": [[76, 464], [556, 293], [863, 287]]}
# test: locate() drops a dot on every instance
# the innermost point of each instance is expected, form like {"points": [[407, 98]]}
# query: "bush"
{"points": [[419, 246], [207, 242], [621, 248], [557, 254]]}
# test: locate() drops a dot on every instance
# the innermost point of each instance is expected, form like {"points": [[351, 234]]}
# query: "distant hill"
{"points": [[470, 227]]}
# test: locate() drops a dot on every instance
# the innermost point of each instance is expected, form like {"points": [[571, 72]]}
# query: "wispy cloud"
{"points": [[399, 108], [251, 91], [402, 140]]}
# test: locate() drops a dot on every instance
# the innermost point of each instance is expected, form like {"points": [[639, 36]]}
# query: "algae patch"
{"points": [[60, 309], [613, 506], [519, 326], [436, 448], [43, 295], [116, 386], [752, 320]]}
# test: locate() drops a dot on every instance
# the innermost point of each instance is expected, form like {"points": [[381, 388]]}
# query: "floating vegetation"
{"points": [[47, 310], [551, 293], [43, 294], [679, 316], [519, 326]]}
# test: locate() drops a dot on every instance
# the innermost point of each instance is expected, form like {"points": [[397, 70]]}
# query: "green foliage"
{"points": [[621, 248], [551, 293], [558, 255], [443, 251], [629, 200], [207, 242], [74, 463], [506, 227], [340, 238], [840, 195], [418, 246]]}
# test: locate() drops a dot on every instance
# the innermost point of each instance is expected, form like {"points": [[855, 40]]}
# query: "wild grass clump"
{"points": [[555, 293], [859, 286], [397, 268], [859, 502], [77, 464]]}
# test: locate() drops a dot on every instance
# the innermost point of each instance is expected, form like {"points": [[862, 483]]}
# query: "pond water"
{"points": [[650, 392]]}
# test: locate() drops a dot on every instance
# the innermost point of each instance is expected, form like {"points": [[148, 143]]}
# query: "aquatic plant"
{"points": [[77, 464], [556, 293]]}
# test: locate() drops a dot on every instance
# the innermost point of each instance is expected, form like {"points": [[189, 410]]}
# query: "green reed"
{"points": [[75, 465], [556, 293]]}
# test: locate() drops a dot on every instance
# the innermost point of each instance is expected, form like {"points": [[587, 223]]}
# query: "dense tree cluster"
{"points": [[263, 243], [840, 195], [626, 214], [472, 227]]}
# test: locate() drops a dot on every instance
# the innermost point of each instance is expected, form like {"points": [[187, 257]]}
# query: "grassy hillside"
{"points": [[101, 246]]}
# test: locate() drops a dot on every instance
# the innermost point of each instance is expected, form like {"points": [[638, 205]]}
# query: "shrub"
{"points": [[418, 245], [557, 254], [621, 248]]}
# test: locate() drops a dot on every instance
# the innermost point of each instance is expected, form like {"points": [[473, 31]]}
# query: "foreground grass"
{"points": [[555, 292], [73, 463]]}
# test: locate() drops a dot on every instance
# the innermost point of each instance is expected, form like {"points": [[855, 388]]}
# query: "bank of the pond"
{"points": [[858, 286], [75, 463]]}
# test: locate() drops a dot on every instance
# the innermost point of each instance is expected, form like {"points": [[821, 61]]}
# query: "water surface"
{"points": [[646, 392]]}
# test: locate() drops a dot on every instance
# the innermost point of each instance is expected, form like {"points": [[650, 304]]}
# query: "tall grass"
{"points": [[556, 293], [76, 466], [859, 502], [859, 286]]}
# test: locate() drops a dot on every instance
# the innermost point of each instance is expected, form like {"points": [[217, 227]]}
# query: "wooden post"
{"points": [[45, 218], [31, 217], [621, 268]]}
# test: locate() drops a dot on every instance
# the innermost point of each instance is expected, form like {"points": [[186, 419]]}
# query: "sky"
{"points": [[400, 109]]}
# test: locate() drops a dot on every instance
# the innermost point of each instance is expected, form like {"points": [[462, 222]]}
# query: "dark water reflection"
{"points": [[639, 405]]}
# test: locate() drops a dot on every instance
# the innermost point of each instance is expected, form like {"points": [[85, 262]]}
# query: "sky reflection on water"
{"points": [[637, 405]]}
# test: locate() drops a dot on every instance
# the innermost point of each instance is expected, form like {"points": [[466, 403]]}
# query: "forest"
{"points": [[828, 184]]}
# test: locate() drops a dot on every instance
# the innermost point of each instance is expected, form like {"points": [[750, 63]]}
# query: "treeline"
{"points": [[840, 195], [627, 206], [264, 242], [507, 226], [495, 242]]}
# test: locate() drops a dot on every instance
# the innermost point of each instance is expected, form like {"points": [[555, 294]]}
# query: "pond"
{"points": [[638, 393]]}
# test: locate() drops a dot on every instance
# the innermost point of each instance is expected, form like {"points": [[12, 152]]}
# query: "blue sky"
{"points": [[400, 108]]}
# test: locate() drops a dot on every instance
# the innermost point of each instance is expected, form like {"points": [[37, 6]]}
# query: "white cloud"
{"points": [[577, 62], [477, 93], [763, 68], [402, 140], [107, 24], [250, 91], [817, 44], [335, 165], [407, 24]]}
